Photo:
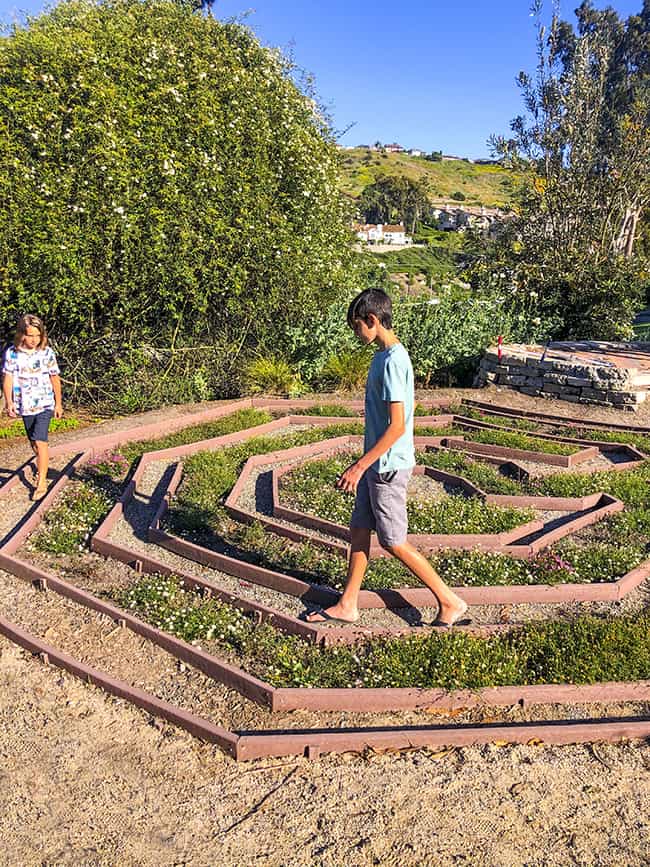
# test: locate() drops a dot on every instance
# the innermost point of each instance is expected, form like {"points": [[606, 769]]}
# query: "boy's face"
{"points": [[365, 332]]}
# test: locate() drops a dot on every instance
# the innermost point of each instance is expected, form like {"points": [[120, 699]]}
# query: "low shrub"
{"points": [[272, 375], [346, 371]]}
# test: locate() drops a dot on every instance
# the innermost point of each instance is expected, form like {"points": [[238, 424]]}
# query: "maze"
{"points": [[256, 499]]}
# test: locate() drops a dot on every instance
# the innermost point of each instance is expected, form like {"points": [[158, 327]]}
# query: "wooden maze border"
{"points": [[312, 742], [393, 598]]}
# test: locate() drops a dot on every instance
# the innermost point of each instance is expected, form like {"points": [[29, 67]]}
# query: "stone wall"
{"points": [[529, 370]]}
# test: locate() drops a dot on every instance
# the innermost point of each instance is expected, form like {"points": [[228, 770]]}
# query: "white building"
{"points": [[381, 233]]}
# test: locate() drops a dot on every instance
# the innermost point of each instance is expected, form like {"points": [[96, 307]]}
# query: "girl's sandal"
{"points": [[39, 491]]}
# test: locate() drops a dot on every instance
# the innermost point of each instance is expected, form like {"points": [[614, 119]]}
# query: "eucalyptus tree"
{"points": [[583, 149]]}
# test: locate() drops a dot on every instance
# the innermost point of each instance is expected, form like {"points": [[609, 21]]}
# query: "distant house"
{"points": [[381, 233], [394, 148], [486, 162], [415, 152], [448, 157], [395, 235], [459, 218]]}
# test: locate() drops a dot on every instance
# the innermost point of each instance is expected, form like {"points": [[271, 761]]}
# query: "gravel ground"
{"points": [[91, 780]]}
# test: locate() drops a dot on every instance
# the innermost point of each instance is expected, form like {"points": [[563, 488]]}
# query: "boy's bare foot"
{"points": [[450, 614], [334, 613]]}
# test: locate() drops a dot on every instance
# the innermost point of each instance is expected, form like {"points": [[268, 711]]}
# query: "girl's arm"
{"points": [[8, 392], [56, 388]]}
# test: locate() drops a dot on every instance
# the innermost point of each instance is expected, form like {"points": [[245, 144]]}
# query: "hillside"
{"points": [[482, 185]]}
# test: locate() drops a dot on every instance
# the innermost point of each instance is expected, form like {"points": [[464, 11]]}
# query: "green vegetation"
{"points": [[330, 410], [150, 207], [573, 251], [586, 650], [311, 488], [67, 527], [241, 420], [520, 441], [484, 476], [522, 424], [481, 185]]}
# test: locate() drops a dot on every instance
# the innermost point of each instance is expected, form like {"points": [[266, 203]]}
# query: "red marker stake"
{"points": [[499, 345]]}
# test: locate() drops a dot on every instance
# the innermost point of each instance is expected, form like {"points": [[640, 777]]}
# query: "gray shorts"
{"points": [[380, 505]]}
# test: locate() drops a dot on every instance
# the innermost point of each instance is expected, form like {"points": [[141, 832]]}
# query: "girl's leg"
{"points": [[42, 464]]}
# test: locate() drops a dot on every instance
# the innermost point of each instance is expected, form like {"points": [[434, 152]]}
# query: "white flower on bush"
{"points": [[119, 210]]}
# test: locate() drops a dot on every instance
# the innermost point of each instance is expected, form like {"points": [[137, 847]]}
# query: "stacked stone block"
{"points": [[527, 369]]}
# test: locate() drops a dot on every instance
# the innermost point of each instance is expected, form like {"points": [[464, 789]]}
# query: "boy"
{"points": [[380, 477]]}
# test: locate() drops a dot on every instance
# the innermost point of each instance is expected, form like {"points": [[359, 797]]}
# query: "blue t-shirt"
{"points": [[390, 380]]}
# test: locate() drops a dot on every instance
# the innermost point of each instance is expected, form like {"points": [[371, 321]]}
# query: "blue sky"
{"points": [[427, 74]]}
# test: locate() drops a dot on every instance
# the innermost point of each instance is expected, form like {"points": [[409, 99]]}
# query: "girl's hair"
{"points": [[28, 320]]}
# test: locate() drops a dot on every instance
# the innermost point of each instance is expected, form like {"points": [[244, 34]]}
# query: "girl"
{"points": [[32, 389]]}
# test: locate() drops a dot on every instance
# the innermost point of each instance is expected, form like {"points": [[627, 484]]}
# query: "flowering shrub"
{"points": [[112, 464], [170, 197]]}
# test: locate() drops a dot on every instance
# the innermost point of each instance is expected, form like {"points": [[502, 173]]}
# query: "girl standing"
{"points": [[31, 386]]}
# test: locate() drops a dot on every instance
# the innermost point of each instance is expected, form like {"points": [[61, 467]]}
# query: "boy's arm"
{"points": [[8, 393], [56, 388], [396, 427]]}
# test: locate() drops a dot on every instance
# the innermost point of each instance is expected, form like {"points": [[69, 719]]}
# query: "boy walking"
{"points": [[380, 477]]}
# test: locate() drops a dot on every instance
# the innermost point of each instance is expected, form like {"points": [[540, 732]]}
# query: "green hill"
{"points": [[488, 185]]}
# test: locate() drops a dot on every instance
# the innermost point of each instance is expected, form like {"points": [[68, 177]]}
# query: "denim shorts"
{"points": [[38, 425], [380, 505]]}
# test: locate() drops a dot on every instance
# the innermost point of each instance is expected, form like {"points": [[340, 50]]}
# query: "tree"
{"points": [[164, 184], [395, 199], [583, 148]]}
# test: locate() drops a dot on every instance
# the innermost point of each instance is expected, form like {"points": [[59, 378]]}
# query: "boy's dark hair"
{"points": [[371, 301]]}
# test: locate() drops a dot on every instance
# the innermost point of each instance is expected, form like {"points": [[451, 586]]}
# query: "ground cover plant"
{"points": [[521, 424], [484, 476], [67, 527], [241, 420], [585, 650], [520, 441], [311, 488]]}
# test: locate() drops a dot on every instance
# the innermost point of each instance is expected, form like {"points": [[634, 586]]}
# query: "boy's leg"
{"points": [[361, 524], [388, 495], [451, 606], [347, 606], [40, 434], [42, 464]]}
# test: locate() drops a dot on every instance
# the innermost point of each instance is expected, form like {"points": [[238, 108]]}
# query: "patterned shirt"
{"points": [[31, 372]]}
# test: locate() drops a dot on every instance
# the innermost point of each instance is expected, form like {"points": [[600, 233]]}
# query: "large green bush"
{"points": [[165, 185]]}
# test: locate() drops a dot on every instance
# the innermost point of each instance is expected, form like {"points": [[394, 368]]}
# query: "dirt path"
{"points": [[90, 780]]}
